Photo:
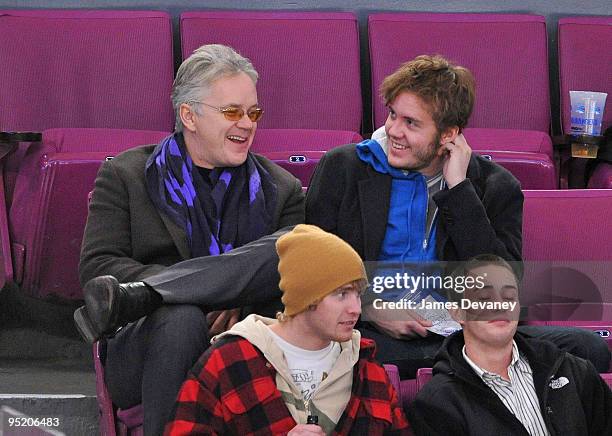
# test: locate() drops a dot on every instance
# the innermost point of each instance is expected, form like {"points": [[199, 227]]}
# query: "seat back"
{"points": [[83, 69], [394, 378], [411, 387], [512, 90], [308, 62], [526, 141], [584, 62], [423, 376], [299, 150], [105, 69], [567, 225], [566, 248], [533, 170], [409, 390], [49, 211]]}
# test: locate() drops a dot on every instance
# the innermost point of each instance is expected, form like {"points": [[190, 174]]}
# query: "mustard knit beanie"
{"points": [[312, 264]]}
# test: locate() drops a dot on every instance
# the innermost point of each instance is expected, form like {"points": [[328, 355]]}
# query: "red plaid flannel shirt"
{"points": [[232, 390]]}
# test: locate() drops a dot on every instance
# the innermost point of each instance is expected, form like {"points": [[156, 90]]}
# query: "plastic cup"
{"points": [[587, 112]]}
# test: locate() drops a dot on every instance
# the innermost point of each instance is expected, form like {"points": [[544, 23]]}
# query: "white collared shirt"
{"points": [[518, 394]]}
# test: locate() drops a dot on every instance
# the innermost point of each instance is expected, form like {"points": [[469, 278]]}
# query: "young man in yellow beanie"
{"points": [[309, 372]]}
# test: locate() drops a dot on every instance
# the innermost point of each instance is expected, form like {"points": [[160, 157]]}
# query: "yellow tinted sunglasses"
{"points": [[235, 113]]}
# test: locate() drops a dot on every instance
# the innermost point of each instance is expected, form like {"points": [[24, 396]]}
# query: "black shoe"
{"points": [[109, 305]]}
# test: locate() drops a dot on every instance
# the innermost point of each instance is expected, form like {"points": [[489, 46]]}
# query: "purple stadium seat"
{"points": [[525, 141], [408, 387], [584, 66], [299, 150], [394, 377], [512, 108], [85, 69], [411, 387], [49, 209], [584, 63], [568, 261], [601, 177], [525, 153], [567, 225], [423, 376], [533, 170], [113, 421], [308, 62], [512, 90], [105, 405], [104, 69], [81, 69]]}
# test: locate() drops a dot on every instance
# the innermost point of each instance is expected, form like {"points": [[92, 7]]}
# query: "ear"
{"points": [[449, 135], [187, 115]]}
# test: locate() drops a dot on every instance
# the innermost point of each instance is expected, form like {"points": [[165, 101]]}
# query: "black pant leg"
{"points": [[245, 276], [579, 342], [148, 361]]}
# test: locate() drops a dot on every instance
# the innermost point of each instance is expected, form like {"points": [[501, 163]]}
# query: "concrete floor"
{"points": [[49, 377], [45, 369]]}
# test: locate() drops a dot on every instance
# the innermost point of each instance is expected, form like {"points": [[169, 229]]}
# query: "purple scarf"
{"points": [[234, 208]]}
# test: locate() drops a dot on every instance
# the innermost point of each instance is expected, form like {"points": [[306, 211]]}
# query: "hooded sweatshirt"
{"points": [[333, 394], [408, 237], [235, 389]]}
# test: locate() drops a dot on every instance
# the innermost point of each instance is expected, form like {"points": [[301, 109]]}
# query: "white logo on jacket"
{"points": [[559, 383]]}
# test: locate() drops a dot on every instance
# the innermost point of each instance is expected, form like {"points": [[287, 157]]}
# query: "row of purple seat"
{"points": [[49, 209], [120, 67], [309, 63], [116, 70]]}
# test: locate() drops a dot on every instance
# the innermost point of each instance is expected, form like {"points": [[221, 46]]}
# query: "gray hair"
{"points": [[197, 73]]}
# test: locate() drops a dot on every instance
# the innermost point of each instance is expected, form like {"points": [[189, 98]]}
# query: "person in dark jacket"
{"points": [[490, 379], [416, 193], [308, 372], [185, 222]]}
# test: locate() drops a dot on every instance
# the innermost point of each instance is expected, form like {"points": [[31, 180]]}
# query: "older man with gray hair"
{"points": [[187, 223]]}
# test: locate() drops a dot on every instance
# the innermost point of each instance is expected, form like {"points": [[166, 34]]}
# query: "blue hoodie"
{"points": [[406, 238]]}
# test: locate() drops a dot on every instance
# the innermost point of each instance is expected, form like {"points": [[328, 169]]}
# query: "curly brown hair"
{"points": [[448, 89]]}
